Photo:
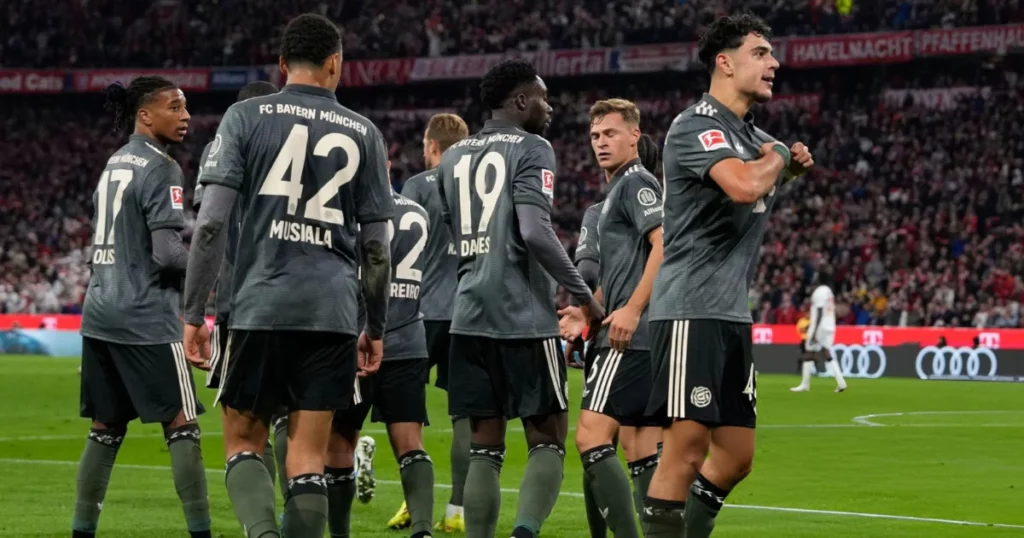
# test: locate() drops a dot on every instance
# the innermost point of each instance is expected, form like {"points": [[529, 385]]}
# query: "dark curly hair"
{"points": [[125, 102], [502, 80], [256, 88], [727, 33], [650, 155], [310, 39]]}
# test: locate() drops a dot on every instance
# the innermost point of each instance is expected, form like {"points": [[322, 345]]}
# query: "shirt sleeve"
{"points": [[411, 190], [534, 181], [373, 186], [587, 248], [695, 144], [224, 163], [163, 197], [643, 203], [197, 194]]}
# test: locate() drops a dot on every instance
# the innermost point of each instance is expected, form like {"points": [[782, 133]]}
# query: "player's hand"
{"points": [[594, 314], [801, 160], [197, 345], [622, 324], [572, 323], [576, 345], [371, 353]]}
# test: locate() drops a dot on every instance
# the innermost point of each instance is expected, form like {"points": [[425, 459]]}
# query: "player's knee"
{"points": [[178, 421], [545, 430], [187, 432], [110, 435], [592, 431], [120, 427], [741, 468], [405, 437], [487, 431]]}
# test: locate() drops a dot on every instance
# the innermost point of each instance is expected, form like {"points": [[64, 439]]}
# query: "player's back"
{"points": [[503, 291], [409, 231], [441, 263], [588, 247], [129, 299], [711, 243], [310, 169], [822, 298]]}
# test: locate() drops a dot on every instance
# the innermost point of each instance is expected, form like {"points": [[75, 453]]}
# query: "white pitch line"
{"points": [[865, 420], [574, 494]]}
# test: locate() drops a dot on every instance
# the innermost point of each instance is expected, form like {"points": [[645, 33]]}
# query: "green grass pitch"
{"points": [[886, 458]]}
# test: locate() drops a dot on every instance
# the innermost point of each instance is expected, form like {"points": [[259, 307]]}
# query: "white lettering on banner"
{"points": [[860, 357], [851, 49], [948, 362], [970, 40], [30, 82]]}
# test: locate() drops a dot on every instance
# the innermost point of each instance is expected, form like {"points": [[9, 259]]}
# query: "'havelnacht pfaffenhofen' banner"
{"points": [[862, 351], [797, 52]]}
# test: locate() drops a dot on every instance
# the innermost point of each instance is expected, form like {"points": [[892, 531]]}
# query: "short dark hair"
{"points": [[503, 79], [310, 39], [727, 33], [125, 102], [649, 153], [257, 88]]}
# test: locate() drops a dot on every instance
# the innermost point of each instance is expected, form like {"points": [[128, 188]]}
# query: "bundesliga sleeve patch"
{"points": [[713, 139], [548, 180], [177, 198]]}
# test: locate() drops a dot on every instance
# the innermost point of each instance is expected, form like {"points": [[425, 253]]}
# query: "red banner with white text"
{"points": [[896, 336]]}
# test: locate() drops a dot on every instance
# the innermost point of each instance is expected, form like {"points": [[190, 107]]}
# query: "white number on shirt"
{"points": [[404, 269], [760, 206], [489, 197], [123, 178], [292, 158]]}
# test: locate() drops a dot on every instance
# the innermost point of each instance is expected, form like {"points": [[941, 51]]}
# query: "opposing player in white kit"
{"points": [[820, 337]]}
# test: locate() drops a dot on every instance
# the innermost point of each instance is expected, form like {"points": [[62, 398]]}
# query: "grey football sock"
{"points": [[542, 481], [341, 491], [251, 491], [483, 489], [642, 471], [702, 506], [663, 518], [93, 477], [595, 520], [281, 452], [189, 475], [461, 432], [418, 485], [611, 490], [305, 507]]}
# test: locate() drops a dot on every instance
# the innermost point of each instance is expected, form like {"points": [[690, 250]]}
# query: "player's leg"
{"points": [[807, 356], [603, 475], [401, 404], [319, 380], [827, 339], [159, 380], [340, 470], [543, 408], [250, 391], [279, 424], [595, 519], [105, 400], [438, 345], [640, 446], [473, 392], [686, 354], [732, 443]]}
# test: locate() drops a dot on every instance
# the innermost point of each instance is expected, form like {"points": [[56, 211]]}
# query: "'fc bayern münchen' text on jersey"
{"points": [[130, 300], [308, 170], [588, 246], [409, 231], [632, 209], [712, 245], [440, 275], [503, 291]]}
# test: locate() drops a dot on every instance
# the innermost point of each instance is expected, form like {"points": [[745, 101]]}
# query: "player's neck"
{"points": [[724, 92], [609, 173], [305, 77], [502, 115], [142, 130]]}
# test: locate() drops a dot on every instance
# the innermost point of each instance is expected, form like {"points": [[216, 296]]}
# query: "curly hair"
{"points": [[310, 39], [125, 102], [727, 33], [503, 79]]}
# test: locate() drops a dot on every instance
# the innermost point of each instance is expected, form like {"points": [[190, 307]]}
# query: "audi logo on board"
{"points": [[950, 362], [866, 361]]}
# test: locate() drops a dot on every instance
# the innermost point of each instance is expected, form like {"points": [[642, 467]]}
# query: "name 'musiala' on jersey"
{"points": [[503, 291], [712, 244], [129, 299], [308, 170]]}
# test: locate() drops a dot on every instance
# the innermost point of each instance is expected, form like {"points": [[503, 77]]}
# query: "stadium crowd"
{"points": [[235, 32]]}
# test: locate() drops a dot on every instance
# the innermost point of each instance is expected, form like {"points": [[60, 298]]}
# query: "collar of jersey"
{"points": [[728, 114], [500, 124], [312, 90], [151, 142], [622, 172]]}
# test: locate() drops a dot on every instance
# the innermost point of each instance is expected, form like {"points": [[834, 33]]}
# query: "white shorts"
{"points": [[823, 340]]}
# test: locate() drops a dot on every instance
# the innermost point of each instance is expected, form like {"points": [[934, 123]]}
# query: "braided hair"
{"points": [[650, 155], [125, 102]]}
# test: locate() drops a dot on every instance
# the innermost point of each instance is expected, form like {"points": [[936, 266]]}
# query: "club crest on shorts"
{"points": [[700, 397]]}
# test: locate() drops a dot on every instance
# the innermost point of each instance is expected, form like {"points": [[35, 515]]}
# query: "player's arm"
{"points": [[587, 258], [590, 272], [221, 180], [703, 147], [163, 208], [375, 207], [533, 209]]}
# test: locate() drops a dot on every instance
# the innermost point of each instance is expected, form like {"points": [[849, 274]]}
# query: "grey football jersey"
{"points": [[503, 291], [410, 229], [223, 292], [307, 170], [588, 246], [130, 300], [630, 211], [440, 275], [712, 245]]}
